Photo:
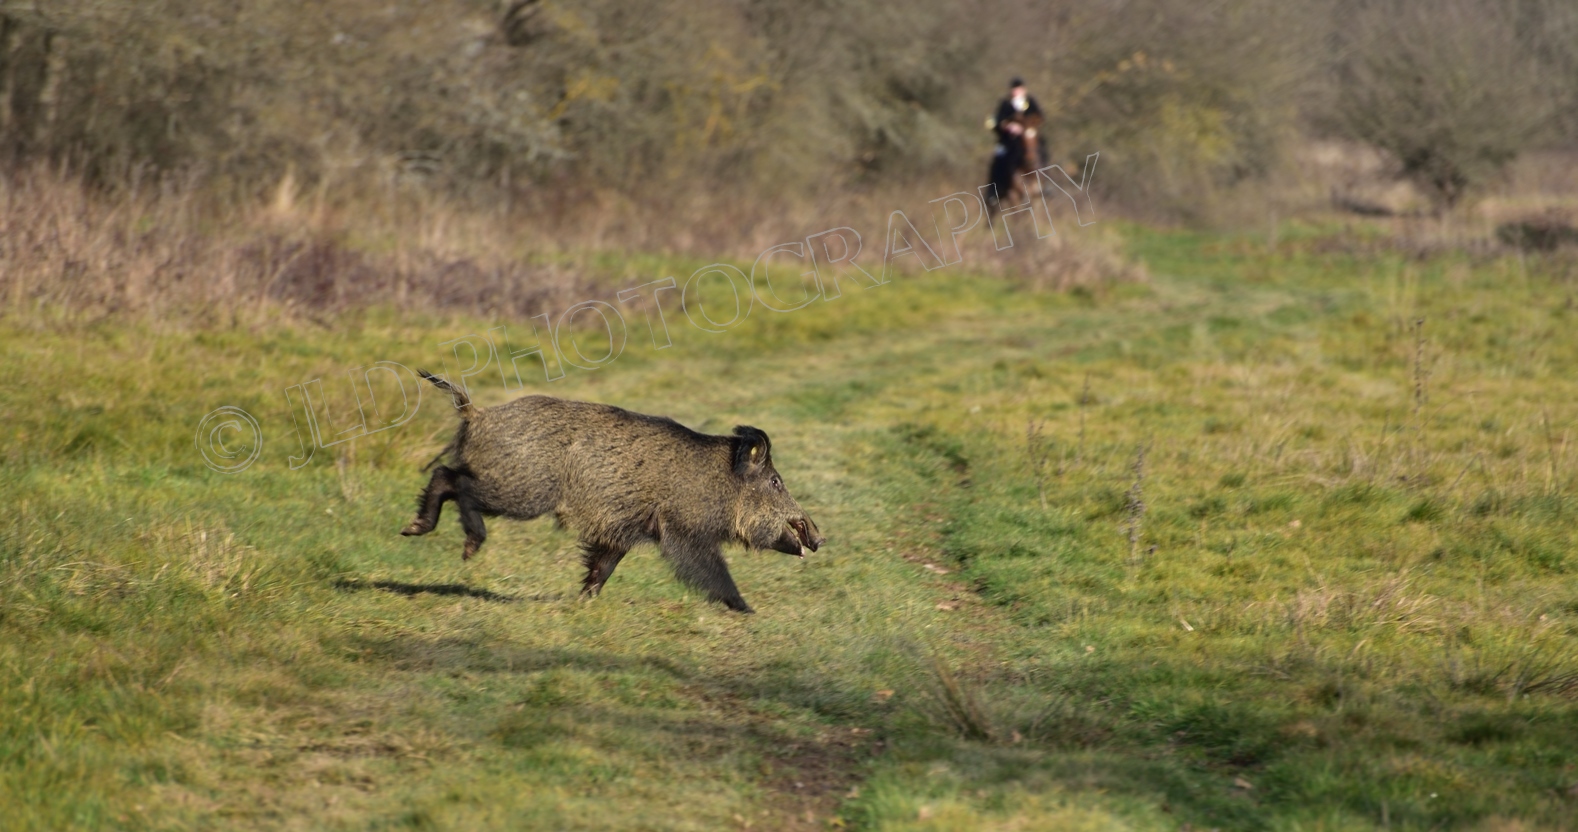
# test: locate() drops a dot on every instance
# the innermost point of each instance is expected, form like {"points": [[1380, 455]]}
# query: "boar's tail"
{"points": [[462, 401], [462, 405]]}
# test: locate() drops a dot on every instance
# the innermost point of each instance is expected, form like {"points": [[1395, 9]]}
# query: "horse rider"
{"points": [[1008, 124]]}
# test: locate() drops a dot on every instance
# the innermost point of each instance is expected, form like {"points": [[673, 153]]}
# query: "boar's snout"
{"points": [[799, 535], [809, 534]]}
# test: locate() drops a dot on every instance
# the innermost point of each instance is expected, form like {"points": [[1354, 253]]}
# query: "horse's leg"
{"points": [[1001, 176], [1031, 164]]}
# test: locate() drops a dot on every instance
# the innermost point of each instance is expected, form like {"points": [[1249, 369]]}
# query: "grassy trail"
{"points": [[1336, 592]]}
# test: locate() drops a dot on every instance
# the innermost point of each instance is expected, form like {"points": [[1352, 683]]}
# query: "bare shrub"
{"points": [[1546, 232], [1453, 91], [1184, 100]]}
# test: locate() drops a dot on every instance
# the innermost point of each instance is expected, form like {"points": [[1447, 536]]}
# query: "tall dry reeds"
{"points": [[69, 252], [169, 250]]}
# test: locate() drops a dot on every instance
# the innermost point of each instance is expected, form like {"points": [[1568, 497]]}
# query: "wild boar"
{"points": [[620, 479]]}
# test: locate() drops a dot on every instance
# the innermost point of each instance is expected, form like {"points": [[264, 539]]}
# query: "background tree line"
{"points": [[546, 96]]}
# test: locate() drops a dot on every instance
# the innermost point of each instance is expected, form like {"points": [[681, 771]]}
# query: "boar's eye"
{"points": [[776, 483]]}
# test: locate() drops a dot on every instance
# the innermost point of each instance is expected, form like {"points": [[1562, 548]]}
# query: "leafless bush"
{"points": [[1546, 232], [1453, 90], [1183, 100]]}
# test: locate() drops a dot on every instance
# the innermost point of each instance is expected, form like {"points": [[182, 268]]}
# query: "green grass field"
{"points": [[1244, 547]]}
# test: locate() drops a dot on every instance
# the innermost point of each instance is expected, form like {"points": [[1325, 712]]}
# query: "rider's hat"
{"points": [[1016, 82]]}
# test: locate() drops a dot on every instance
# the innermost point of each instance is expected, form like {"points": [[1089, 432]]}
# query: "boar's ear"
{"points": [[752, 448]]}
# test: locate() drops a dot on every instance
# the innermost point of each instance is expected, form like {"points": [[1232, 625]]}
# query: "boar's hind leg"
{"points": [[702, 567], [449, 484], [600, 560], [470, 517], [440, 488]]}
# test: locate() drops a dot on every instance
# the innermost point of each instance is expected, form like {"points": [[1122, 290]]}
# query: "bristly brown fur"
{"points": [[620, 479]]}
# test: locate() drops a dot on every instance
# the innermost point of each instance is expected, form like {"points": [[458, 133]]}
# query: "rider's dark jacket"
{"points": [[1010, 150], [1006, 111]]}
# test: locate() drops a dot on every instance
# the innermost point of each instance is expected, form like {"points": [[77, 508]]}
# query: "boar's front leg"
{"points": [[600, 560], [701, 565]]}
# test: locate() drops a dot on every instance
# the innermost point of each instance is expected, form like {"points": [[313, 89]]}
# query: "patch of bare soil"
{"points": [[805, 778]]}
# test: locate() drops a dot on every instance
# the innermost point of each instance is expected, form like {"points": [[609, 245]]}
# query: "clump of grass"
{"points": [[954, 704], [1082, 264], [1424, 511], [1515, 666], [1004, 713]]}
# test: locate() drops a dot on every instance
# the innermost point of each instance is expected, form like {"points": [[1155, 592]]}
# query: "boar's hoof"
{"points": [[416, 527]]}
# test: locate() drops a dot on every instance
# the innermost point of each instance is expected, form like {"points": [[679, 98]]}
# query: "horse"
{"points": [[1024, 156]]}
